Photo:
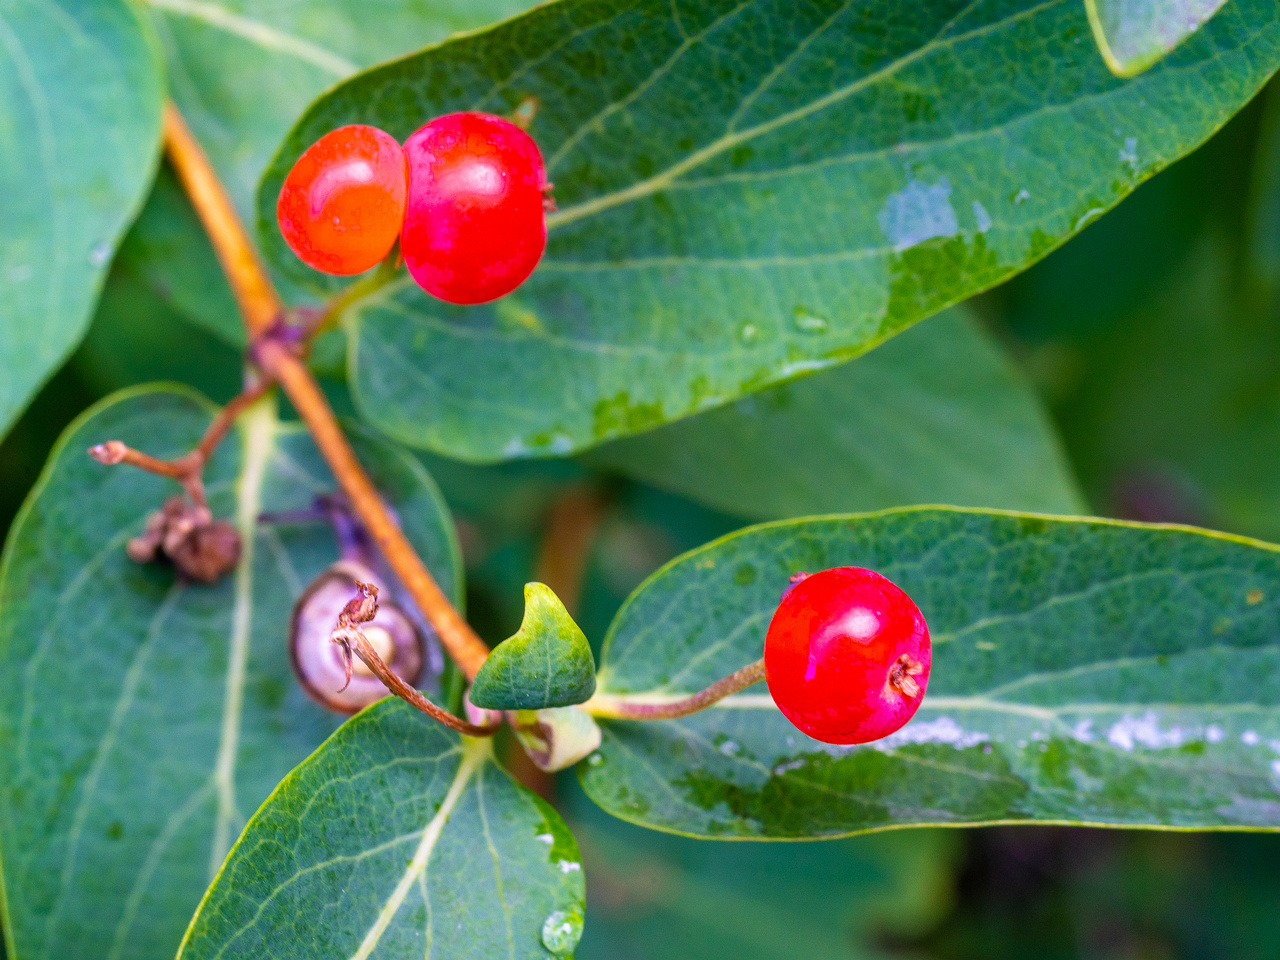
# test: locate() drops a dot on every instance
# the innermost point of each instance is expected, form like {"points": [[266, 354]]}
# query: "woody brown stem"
{"points": [[622, 707], [261, 309]]}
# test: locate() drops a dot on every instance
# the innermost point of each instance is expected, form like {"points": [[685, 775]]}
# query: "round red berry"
{"points": [[847, 655], [475, 226], [342, 204]]}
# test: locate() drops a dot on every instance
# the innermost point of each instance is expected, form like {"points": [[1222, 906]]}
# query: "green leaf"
{"points": [[168, 250], [242, 70], [79, 135], [396, 838], [937, 415], [1134, 35], [548, 663], [1088, 672], [142, 720], [731, 220]]}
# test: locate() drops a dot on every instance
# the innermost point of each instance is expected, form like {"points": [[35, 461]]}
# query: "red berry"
{"points": [[475, 226], [342, 205], [847, 656]]}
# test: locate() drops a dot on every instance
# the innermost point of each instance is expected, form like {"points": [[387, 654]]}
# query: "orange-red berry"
{"points": [[342, 205]]}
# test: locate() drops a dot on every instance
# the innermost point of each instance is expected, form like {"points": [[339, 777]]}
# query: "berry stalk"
{"points": [[262, 311], [621, 707]]}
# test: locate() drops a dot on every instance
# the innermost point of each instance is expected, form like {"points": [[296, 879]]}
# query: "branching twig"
{"points": [[187, 469], [362, 609], [623, 707], [279, 361]]}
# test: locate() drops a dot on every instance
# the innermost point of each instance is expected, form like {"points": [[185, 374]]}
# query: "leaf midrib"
{"points": [[258, 437]]}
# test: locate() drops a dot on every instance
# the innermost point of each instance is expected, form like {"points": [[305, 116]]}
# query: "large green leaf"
{"points": [[143, 720], [242, 70], [81, 85], [1083, 672], [396, 839], [750, 190], [937, 415], [1133, 35]]}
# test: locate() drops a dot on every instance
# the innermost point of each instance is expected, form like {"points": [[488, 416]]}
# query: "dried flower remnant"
{"points": [[186, 534]]}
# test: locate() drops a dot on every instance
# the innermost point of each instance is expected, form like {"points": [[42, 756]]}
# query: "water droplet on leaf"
{"points": [[807, 322], [562, 930]]}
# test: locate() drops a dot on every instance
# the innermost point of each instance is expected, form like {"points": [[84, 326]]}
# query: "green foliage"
{"points": [[1133, 35], [144, 718], [548, 663], [1083, 672], [731, 220], [750, 191], [920, 420], [81, 84], [396, 838]]}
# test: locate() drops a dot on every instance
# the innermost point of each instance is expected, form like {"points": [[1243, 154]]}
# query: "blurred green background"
{"points": [[1154, 341]]}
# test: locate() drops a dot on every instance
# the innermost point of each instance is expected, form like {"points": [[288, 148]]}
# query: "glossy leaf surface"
{"points": [[81, 85], [1132, 35], [937, 415], [1083, 672], [396, 839], [749, 191], [144, 719], [547, 663]]}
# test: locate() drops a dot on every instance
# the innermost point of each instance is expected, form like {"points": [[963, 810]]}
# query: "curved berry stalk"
{"points": [[846, 658]]}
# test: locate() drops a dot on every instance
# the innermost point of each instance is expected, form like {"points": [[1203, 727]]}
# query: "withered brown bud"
{"points": [[200, 547], [319, 663]]}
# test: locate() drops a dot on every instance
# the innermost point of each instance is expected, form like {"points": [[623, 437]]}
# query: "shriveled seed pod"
{"points": [[318, 661]]}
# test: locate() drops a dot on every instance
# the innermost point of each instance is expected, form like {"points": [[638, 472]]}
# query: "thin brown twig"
{"points": [[362, 609], [621, 707], [261, 310], [187, 469]]}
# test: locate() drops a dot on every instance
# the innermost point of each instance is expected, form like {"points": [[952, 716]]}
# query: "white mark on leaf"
{"points": [[917, 213]]}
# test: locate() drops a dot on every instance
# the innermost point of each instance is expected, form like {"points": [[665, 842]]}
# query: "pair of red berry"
{"points": [[847, 655], [464, 196]]}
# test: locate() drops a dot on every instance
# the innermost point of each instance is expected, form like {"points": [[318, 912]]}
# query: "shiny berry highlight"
{"points": [[343, 203], [847, 655]]}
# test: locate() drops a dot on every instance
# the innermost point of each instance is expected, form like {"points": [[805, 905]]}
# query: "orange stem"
{"points": [[259, 304], [466, 649], [261, 308]]}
